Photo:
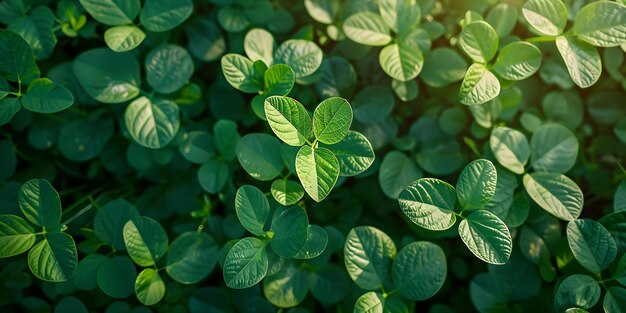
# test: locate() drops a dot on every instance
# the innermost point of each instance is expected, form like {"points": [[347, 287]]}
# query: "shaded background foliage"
{"points": [[154, 211]]}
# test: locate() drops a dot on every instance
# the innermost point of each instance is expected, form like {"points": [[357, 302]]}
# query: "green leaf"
{"points": [[168, 68], [419, 270], [86, 275], [279, 79], [112, 12], [582, 60], [213, 175], [149, 287], [477, 184], [479, 41], [240, 73], [592, 245], [259, 44], [259, 155], [54, 258], [444, 66], [331, 120], [354, 153], [553, 148], [511, 148], [316, 242], [373, 103], [576, 291], [503, 18], [518, 60], [246, 263], [8, 108], [17, 63], [191, 257], [40, 203], [479, 85], [400, 15], [318, 170], [152, 123], [37, 30], [252, 208], [615, 300], [290, 227], [164, 15], [555, 193], [288, 119], [368, 253], [545, 17], [226, 138], [146, 240], [375, 302], [429, 203], [396, 172], [197, 147], [288, 287], [303, 56], [108, 224], [82, 139], [487, 237], [287, 192], [16, 236], [44, 96], [116, 276], [108, 76], [330, 284], [124, 38], [401, 62], [206, 41], [322, 11], [601, 23], [367, 28]]}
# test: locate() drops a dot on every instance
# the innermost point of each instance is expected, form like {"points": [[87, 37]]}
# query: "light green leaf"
{"points": [[54, 258], [240, 73], [152, 123], [287, 192], [553, 148], [259, 44], [487, 237], [331, 120], [545, 17], [259, 155], [279, 79], [191, 257], [16, 236], [479, 41], [518, 60], [168, 68], [401, 62], [576, 291], [44, 96], [318, 170], [419, 270], [601, 23], [288, 287], [252, 208], [40, 203], [367, 28], [503, 18], [400, 15], [124, 38], [245, 264], [164, 15], [146, 240], [108, 224], [149, 287], [582, 60], [511, 148], [375, 302], [112, 12], [288, 119], [429, 203], [368, 253], [316, 242], [17, 62], [479, 85], [303, 56], [354, 153], [290, 227], [555, 193], [592, 245], [477, 184], [322, 11]]}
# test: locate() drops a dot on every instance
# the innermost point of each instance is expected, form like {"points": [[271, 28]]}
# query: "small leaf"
{"points": [[54, 258], [124, 38], [354, 153], [164, 15], [287, 192], [546, 17], [576, 291], [318, 170], [479, 41], [518, 60], [601, 23], [429, 203], [17, 62], [401, 62], [245, 264], [16, 236], [375, 302], [477, 184], [290, 227], [582, 60], [252, 208], [108, 224], [511, 148], [479, 85], [240, 73], [259, 44], [8, 108], [279, 79], [487, 237], [367, 28], [288, 287], [592, 245], [259, 155], [303, 56], [44, 96], [419, 270], [316, 242], [288, 119], [146, 240], [213, 175], [191, 257], [40, 203], [555, 193], [402, 16], [149, 287], [168, 68], [331, 120], [368, 253], [553, 148], [112, 12], [152, 123], [396, 172]]}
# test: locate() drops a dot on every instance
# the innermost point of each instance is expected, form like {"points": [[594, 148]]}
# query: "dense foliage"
{"points": [[317, 155]]}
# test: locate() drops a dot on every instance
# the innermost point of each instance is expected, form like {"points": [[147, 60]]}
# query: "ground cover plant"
{"points": [[312, 155]]}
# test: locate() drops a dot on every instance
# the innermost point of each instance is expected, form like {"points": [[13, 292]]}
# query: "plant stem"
{"points": [[541, 39]]}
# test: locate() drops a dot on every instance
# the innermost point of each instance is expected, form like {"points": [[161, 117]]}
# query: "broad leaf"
{"points": [[477, 184], [259, 44], [401, 62], [555, 193], [396, 172], [487, 237], [124, 38], [429, 203], [240, 73], [40, 203], [331, 120], [288, 287], [303, 56], [354, 153], [419, 270], [17, 63], [518, 60], [290, 226], [511, 148], [400, 15], [479, 85], [601, 23], [288, 119], [546, 17], [576, 291], [279, 79], [44, 96], [444, 66], [54, 258], [149, 287], [8, 108], [375, 302], [213, 175], [592, 245], [108, 224], [367, 28], [191, 257], [318, 170], [152, 123], [252, 208], [16, 235], [287, 192], [245, 264], [37, 28], [168, 68], [479, 41], [112, 12], [553, 148], [116, 276], [368, 253], [582, 60], [259, 155], [316, 242], [164, 15], [146, 240]]}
